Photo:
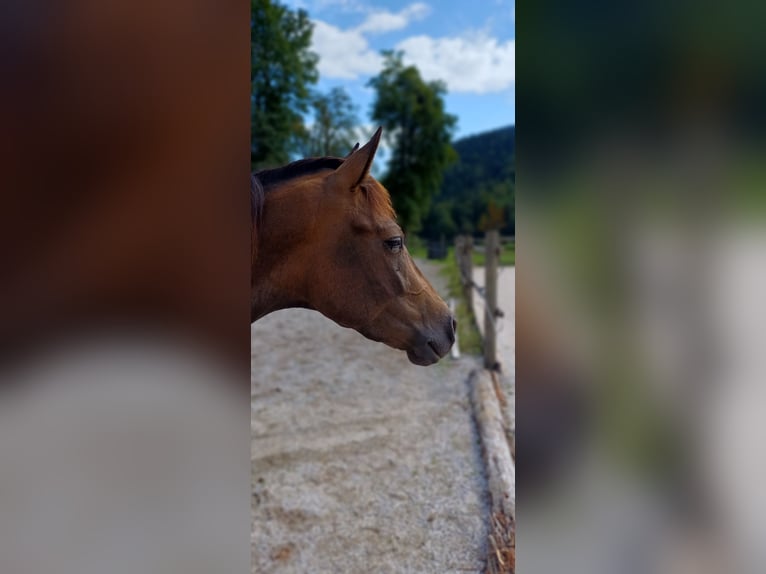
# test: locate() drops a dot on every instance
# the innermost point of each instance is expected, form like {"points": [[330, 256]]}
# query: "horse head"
{"points": [[330, 242]]}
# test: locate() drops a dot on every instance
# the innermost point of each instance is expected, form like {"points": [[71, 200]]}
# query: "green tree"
{"points": [[334, 129], [439, 221], [412, 113], [282, 70]]}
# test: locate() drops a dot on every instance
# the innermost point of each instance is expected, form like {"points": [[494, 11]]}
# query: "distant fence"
{"points": [[464, 248], [479, 243]]}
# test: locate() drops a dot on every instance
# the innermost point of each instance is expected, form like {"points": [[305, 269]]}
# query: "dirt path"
{"points": [[361, 461]]}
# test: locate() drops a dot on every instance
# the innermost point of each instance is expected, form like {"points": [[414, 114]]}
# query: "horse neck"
{"points": [[278, 276]]}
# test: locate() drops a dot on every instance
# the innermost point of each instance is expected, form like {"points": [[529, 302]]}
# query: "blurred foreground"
{"points": [[124, 265], [124, 455], [641, 280]]}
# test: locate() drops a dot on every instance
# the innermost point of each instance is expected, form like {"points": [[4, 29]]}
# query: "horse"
{"points": [[325, 238]]}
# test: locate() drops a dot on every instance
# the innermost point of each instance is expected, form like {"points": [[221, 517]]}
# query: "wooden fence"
{"points": [[487, 399], [464, 247]]}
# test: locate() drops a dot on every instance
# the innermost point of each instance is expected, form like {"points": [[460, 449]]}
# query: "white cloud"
{"points": [[383, 21], [343, 53], [346, 54], [475, 63]]}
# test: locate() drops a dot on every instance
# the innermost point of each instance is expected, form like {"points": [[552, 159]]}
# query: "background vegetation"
{"points": [[440, 187], [479, 188]]}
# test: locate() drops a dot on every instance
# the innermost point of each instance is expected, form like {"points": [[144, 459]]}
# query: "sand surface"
{"points": [[362, 462]]}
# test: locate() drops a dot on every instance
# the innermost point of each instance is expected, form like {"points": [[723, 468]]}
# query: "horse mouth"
{"points": [[425, 355]]}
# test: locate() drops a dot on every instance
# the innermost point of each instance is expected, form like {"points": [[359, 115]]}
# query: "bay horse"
{"points": [[325, 237]]}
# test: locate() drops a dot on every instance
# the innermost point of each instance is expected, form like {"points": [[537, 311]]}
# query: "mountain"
{"points": [[479, 189]]}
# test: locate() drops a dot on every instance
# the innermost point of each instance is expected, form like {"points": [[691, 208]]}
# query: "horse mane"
{"points": [[296, 169], [264, 180]]}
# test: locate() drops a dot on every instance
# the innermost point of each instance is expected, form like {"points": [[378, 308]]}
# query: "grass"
{"points": [[468, 333], [419, 249], [507, 255]]}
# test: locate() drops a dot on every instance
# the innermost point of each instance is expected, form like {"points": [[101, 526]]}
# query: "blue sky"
{"points": [[469, 44]]}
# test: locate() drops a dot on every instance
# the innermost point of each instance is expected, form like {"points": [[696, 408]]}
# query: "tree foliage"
{"points": [[415, 122], [333, 132], [282, 71], [478, 191]]}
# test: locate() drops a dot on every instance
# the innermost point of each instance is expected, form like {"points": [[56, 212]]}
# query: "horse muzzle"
{"points": [[432, 345]]}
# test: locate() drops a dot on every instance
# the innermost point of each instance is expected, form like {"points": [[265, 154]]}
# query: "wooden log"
{"points": [[489, 420], [501, 471]]}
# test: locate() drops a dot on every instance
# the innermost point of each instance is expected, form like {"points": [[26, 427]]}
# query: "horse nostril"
{"points": [[454, 325]]}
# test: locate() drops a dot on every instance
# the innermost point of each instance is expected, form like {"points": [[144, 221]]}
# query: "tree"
{"points": [[439, 222], [334, 129], [282, 71], [419, 129]]}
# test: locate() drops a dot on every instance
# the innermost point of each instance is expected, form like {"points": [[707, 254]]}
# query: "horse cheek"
{"points": [[347, 277]]}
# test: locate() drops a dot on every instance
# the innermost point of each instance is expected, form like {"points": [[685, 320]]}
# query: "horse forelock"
{"points": [[380, 201]]}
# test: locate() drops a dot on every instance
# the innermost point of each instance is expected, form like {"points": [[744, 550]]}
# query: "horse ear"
{"points": [[357, 165], [356, 147]]}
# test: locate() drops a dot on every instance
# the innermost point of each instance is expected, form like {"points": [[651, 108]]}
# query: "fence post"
{"points": [[464, 256], [491, 257], [468, 270]]}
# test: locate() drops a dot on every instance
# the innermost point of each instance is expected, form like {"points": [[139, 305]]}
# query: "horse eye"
{"points": [[394, 244]]}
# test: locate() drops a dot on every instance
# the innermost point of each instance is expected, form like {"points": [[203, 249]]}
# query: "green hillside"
{"points": [[479, 189]]}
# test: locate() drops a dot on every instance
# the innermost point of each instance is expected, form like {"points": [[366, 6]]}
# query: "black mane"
{"points": [[300, 168]]}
